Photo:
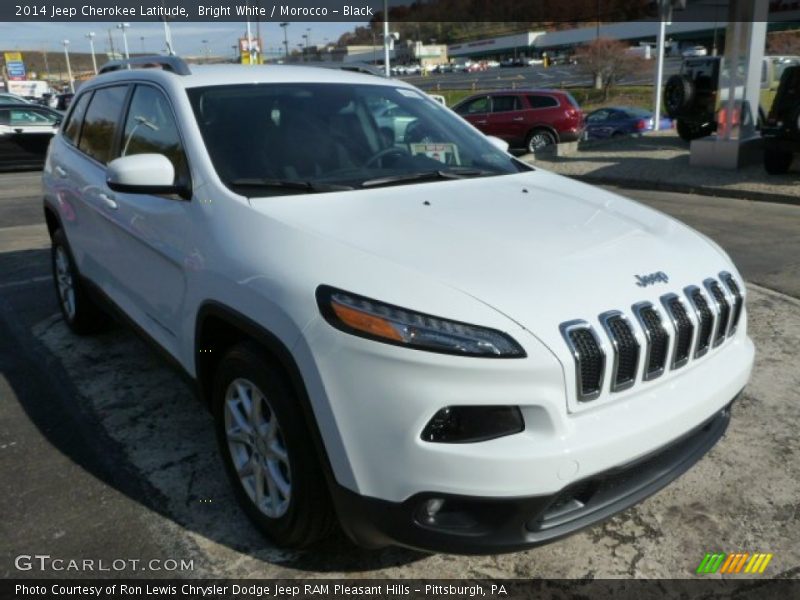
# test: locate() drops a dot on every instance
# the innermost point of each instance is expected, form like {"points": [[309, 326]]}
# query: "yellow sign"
{"points": [[13, 56]]}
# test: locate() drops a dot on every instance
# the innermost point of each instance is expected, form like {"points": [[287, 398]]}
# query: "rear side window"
{"points": [[4, 117], [100, 123], [150, 128], [505, 103], [30, 117], [72, 128], [542, 101]]}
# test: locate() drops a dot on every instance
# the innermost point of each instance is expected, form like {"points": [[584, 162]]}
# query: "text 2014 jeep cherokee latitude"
{"points": [[395, 323]]}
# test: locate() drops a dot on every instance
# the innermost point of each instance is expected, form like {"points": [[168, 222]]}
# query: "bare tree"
{"points": [[784, 43], [607, 61]]}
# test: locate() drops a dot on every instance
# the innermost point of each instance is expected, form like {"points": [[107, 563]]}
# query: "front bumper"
{"points": [[482, 525]]}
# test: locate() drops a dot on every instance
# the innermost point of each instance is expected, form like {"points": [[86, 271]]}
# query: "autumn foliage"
{"points": [[607, 61]]}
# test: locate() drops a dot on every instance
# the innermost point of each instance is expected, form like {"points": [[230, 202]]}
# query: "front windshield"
{"points": [[275, 139]]}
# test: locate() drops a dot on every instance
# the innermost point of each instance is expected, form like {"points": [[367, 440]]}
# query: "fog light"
{"points": [[432, 508], [469, 424]]}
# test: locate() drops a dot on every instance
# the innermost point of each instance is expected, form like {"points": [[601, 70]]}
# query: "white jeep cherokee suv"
{"points": [[403, 327]]}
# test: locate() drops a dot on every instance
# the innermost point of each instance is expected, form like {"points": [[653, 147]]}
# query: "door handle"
{"points": [[60, 172], [518, 119], [481, 122], [109, 201]]}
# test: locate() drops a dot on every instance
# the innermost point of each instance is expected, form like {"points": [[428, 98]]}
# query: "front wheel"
{"points": [[777, 162], [79, 311], [539, 139], [267, 450]]}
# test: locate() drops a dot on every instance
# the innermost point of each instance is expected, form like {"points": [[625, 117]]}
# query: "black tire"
{"points": [[794, 120], [777, 162], [690, 131], [81, 314], [539, 139], [304, 517], [679, 92]]}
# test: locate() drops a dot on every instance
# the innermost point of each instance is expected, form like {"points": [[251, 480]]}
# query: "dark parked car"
{"points": [[781, 132], [617, 121], [25, 133], [530, 119]]}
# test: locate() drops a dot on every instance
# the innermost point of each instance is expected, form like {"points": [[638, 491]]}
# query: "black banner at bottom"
{"points": [[401, 589]]}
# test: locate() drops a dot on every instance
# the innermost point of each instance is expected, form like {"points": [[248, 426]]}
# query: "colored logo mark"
{"points": [[737, 562]]}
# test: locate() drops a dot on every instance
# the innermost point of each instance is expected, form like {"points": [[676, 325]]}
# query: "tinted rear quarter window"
{"points": [[505, 103], [542, 101], [72, 128], [100, 123]]}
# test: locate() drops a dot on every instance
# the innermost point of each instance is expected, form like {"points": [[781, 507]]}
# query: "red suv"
{"points": [[530, 119]]}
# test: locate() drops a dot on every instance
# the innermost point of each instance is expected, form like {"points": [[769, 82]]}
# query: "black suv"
{"points": [[781, 132], [691, 97]]}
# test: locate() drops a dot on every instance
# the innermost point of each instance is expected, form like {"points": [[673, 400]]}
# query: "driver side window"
{"points": [[476, 106], [150, 128]]}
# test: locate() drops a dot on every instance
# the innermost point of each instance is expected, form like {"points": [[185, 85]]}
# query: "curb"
{"points": [[662, 186]]}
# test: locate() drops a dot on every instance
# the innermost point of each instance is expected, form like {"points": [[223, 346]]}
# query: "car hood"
{"points": [[538, 247]]}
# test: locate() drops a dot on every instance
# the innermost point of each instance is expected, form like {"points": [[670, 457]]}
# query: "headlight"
{"points": [[390, 324]]}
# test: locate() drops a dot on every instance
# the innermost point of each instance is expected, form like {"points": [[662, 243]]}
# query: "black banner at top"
{"points": [[541, 12]]}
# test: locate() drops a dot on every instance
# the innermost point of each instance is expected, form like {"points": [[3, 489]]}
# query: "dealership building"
{"points": [[534, 44]]}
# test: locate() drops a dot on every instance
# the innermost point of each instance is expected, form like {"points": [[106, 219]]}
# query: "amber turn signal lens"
{"points": [[365, 322]]}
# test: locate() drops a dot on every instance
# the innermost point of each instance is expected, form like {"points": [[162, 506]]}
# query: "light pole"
{"points": [[141, 39], [69, 67], [305, 53], [90, 37], [168, 37], [386, 39], [123, 27], [664, 16], [285, 39]]}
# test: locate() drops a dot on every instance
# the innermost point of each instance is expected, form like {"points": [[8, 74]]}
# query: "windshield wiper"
{"points": [[426, 176], [289, 184]]}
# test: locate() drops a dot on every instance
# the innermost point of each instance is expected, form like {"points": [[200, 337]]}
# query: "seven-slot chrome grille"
{"points": [[659, 338]]}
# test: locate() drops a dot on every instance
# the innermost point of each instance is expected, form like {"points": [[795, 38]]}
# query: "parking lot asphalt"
{"points": [[105, 454], [532, 76], [651, 162]]}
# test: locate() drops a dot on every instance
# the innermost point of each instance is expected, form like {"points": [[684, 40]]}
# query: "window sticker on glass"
{"points": [[444, 153]]}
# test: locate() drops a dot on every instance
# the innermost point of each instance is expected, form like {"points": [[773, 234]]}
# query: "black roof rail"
{"points": [[174, 64]]}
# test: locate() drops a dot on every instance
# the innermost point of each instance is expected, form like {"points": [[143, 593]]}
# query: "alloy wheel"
{"points": [[257, 448], [66, 287]]}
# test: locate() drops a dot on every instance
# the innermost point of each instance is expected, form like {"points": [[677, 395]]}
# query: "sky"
{"points": [[187, 37]]}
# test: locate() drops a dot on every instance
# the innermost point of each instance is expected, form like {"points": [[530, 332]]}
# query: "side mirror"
{"points": [[498, 143], [144, 174]]}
